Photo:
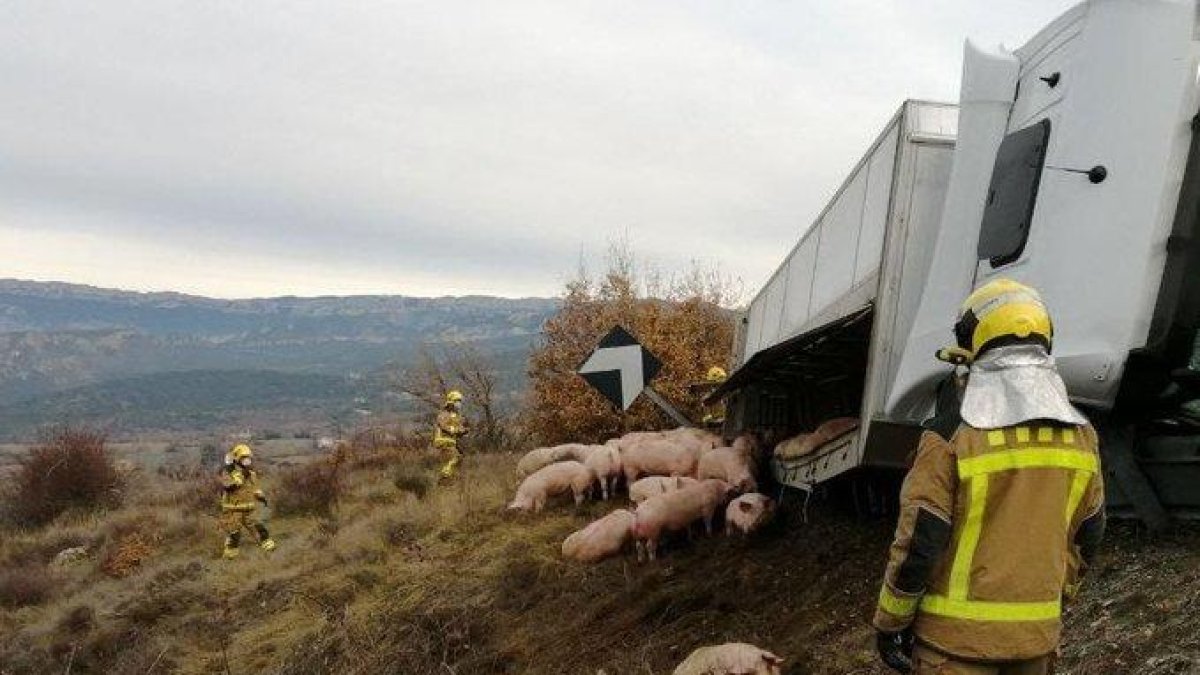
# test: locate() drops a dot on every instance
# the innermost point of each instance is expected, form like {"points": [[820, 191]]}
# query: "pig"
{"points": [[656, 458], [605, 462], [677, 511], [540, 457], [638, 436], [600, 539], [572, 451], [730, 466], [748, 512], [746, 444], [644, 488], [697, 441], [797, 446], [555, 479], [731, 658]]}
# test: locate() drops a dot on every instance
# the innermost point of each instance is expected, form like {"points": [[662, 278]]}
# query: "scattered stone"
{"points": [[69, 556]]}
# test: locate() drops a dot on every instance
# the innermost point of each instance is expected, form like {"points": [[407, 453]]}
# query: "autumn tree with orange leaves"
{"points": [[684, 321]]}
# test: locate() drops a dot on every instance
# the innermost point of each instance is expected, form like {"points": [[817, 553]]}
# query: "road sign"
{"points": [[620, 368]]}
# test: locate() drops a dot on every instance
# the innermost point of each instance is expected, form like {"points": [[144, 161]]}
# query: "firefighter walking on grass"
{"points": [[448, 428], [241, 498], [999, 521]]}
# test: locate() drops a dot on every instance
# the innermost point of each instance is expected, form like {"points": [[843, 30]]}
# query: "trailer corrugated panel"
{"points": [[834, 268]]}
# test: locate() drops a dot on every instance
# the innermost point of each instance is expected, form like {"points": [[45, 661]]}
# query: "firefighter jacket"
{"points": [[995, 528], [449, 427], [242, 489]]}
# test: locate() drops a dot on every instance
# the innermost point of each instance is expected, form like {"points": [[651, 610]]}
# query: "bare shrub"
{"points": [[313, 489], [70, 469], [24, 586]]}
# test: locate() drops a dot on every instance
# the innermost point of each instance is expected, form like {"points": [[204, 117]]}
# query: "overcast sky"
{"points": [[236, 148]]}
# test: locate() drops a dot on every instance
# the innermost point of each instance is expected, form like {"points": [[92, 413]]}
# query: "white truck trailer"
{"points": [[1076, 169]]}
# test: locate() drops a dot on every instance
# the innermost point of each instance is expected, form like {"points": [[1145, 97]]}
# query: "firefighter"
{"points": [[450, 427], [714, 413], [999, 521], [240, 502]]}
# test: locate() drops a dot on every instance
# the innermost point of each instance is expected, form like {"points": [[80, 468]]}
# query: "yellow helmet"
{"points": [[998, 313], [240, 452], [715, 374], [454, 396]]}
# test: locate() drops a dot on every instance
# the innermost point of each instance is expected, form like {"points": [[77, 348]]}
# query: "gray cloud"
{"points": [[445, 146]]}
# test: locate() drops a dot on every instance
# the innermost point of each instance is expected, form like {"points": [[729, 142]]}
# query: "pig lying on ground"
{"points": [[548, 481], [644, 488], [732, 658], [600, 539], [605, 462], [656, 457], [675, 511], [748, 513], [730, 466]]}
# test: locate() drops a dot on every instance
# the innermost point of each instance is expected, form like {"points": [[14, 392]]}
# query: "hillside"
{"points": [[65, 346], [400, 581]]}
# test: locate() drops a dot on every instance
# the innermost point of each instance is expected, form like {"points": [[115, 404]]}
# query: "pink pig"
{"points": [[675, 511], [656, 457], [605, 462], [729, 465], [600, 539], [644, 488], [555, 479], [748, 513], [732, 658]]}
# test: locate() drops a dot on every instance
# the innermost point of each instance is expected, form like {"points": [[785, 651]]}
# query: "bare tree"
{"points": [[477, 375], [460, 366], [425, 380]]}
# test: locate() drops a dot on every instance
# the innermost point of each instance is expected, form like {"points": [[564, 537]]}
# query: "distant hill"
{"points": [[63, 346]]}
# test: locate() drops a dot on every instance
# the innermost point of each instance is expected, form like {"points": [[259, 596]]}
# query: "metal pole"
{"points": [[666, 407]]}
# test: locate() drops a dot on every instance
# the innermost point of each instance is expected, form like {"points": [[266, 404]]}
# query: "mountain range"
{"points": [[148, 362]]}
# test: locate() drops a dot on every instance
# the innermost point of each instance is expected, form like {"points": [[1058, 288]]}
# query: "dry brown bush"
{"points": [[25, 585], [683, 323], [69, 469], [128, 554], [313, 489]]}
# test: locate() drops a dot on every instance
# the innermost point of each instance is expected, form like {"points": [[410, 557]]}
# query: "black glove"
{"points": [[896, 650]]}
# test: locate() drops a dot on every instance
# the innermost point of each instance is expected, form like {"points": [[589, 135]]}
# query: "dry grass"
{"points": [[393, 581]]}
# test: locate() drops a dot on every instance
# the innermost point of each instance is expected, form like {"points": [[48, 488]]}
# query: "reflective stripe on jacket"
{"points": [[241, 489], [995, 526]]}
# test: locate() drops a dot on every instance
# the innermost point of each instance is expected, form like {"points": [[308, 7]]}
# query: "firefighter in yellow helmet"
{"points": [[240, 501], [999, 521], [449, 427], [714, 413]]}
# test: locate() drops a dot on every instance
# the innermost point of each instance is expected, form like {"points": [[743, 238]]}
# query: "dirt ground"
{"points": [[400, 581]]}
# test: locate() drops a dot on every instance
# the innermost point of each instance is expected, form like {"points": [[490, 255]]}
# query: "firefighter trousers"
{"points": [[929, 662]]}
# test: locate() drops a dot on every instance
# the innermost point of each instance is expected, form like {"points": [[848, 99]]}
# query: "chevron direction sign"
{"points": [[620, 368]]}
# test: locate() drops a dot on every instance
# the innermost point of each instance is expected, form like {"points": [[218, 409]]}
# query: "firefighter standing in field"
{"points": [[449, 427], [240, 501], [998, 522]]}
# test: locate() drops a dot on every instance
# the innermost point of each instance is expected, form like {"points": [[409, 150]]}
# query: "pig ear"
{"points": [[745, 506]]}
